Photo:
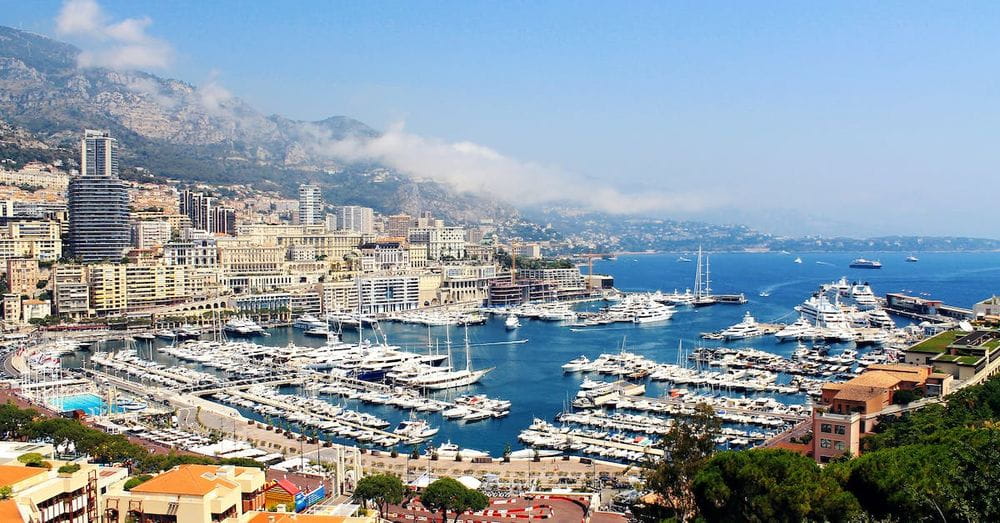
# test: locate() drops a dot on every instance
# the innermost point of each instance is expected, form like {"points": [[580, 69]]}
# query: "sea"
{"points": [[530, 376]]}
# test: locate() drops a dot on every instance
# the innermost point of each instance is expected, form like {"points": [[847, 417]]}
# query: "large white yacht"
{"points": [[802, 329], [308, 321], [243, 326], [748, 328]]}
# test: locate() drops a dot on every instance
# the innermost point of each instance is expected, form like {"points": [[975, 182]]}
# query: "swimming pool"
{"points": [[92, 404]]}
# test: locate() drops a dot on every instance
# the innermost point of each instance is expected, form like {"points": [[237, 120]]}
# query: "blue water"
{"points": [[89, 403], [530, 375]]}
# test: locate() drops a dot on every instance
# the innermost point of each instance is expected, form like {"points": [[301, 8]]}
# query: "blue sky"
{"points": [[797, 117]]}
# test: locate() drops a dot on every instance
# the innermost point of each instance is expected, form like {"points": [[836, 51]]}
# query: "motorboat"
{"points": [[797, 260], [322, 331], [512, 322], [748, 328], [242, 326], [912, 259], [862, 263], [187, 332], [764, 294], [653, 312], [146, 336]]}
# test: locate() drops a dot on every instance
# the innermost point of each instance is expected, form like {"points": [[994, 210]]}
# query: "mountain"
{"points": [[200, 133]]}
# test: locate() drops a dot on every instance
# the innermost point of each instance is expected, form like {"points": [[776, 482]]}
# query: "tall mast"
{"points": [[468, 358], [697, 276], [708, 281]]}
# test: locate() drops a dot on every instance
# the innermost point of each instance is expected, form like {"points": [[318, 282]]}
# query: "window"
{"points": [[839, 445], [840, 429], [824, 443], [826, 427]]}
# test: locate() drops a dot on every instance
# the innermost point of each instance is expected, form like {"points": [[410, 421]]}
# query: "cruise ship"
{"points": [[862, 263]]}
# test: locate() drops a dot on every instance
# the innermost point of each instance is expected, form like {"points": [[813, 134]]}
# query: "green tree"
{"points": [[686, 448], [6, 492], [14, 421], [761, 485], [447, 494], [382, 490]]}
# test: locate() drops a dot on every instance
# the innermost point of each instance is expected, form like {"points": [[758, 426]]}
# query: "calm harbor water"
{"points": [[529, 374]]}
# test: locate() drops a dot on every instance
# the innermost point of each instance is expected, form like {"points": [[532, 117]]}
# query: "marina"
{"points": [[666, 365]]}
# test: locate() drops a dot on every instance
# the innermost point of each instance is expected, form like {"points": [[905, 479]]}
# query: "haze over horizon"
{"points": [[849, 119]]}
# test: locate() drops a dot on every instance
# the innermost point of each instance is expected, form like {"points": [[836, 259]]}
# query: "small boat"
{"points": [[764, 294], [912, 259], [450, 450], [862, 263], [319, 332], [415, 429], [576, 364], [166, 334], [512, 322], [682, 259], [797, 260]]}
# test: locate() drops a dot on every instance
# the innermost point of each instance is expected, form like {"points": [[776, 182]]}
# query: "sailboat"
{"points": [[702, 285], [447, 378]]}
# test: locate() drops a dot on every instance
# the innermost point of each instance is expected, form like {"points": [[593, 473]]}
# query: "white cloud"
{"points": [[476, 168], [213, 96], [119, 45]]}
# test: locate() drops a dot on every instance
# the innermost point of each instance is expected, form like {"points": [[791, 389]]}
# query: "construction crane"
{"points": [[590, 267]]}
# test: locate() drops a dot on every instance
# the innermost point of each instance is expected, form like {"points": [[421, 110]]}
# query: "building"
{"points": [[528, 250], [442, 242], [465, 283], [387, 254], [355, 218], [988, 309], [98, 202], [22, 275], [12, 308], [188, 494], [310, 205], [846, 412], [45, 495], [31, 238], [150, 234], [398, 225], [36, 174], [964, 355], [206, 213], [35, 309], [195, 248], [382, 294], [117, 288], [70, 291], [567, 282]]}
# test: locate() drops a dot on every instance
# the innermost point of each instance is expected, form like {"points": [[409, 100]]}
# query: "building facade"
{"points": [[310, 205], [98, 202]]}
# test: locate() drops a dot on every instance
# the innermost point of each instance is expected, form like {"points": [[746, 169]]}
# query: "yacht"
{"points": [[450, 450], [797, 260], [187, 332], [557, 314], [576, 364], [166, 334], [448, 378], [863, 296], [748, 328], [676, 298], [242, 326], [912, 259], [321, 331], [682, 259], [862, 263], [652, 313], [512, 322], [308, 321], [146, 336], [802, 329], [764, 294], [415, 429]]}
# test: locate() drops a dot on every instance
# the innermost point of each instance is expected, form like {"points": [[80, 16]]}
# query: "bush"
{"points": [[135, 481], [31, 459], [903, 396], [69, 468]]}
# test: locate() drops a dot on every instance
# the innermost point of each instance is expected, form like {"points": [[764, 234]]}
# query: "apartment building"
{"points": [[389, 293], [310, 205], [46, 495], [355, 218], [150, 234], [466, 283], [567, 282], [398, 225], [116, 288], [70, 290], [22, 275], [36, 174], [188, 494], [37, 239]]}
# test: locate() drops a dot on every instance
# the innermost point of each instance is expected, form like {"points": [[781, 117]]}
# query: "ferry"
{"points": [[862, 263]]}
